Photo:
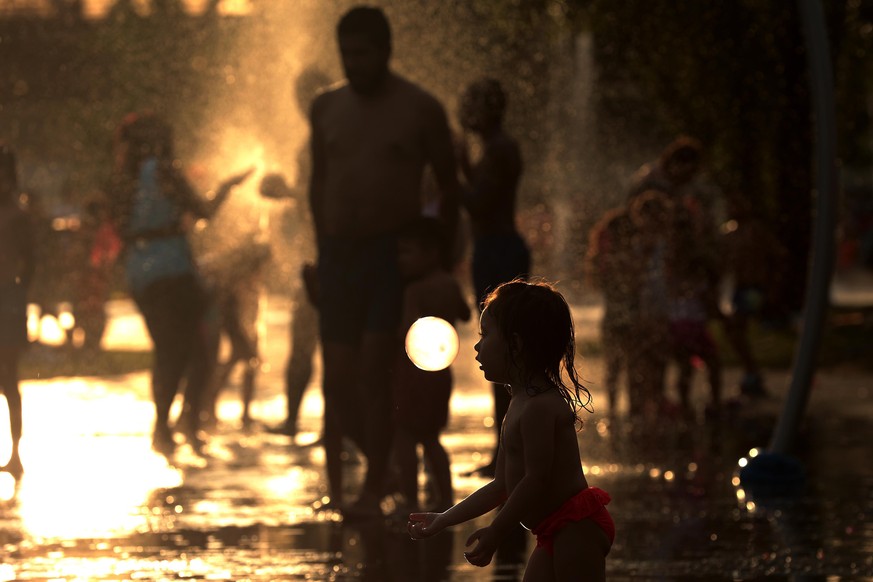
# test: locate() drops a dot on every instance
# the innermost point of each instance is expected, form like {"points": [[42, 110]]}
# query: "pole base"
{"points": [[770, 475]]}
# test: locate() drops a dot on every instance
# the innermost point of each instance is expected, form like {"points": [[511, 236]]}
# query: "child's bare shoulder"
{"points": [[547, 405]]}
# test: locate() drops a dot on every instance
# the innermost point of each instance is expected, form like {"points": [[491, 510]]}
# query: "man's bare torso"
{"points": [[373, 152]]}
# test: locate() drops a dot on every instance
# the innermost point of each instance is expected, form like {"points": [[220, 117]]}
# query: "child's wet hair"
{"points": [[536, 313]]}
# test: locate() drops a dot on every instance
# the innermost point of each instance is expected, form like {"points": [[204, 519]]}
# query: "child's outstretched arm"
{"points": [[480, 502]]}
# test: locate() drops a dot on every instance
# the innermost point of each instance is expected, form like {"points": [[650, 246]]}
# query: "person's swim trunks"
{"points": [[589, 503]]}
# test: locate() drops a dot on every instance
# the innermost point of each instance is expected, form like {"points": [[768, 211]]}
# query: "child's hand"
{"points": [[483, 552], [421, 525]]}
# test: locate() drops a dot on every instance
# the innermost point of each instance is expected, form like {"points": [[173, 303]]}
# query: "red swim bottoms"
{"points": [[589, 503]]}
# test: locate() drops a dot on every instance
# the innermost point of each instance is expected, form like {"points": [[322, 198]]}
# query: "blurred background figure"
{"points": [[304, 317], [16, 273], [611, 267], [233, 286], [651, 214], [421, 397], [372, 139], [103, 246], [153, 206], [489, 195], [694, 271]]}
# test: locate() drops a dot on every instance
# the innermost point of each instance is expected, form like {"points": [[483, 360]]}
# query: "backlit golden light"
{"points": [[432, 343], [89, 467]]}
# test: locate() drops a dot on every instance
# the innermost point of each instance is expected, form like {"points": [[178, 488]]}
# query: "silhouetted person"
{"points": [[676, 173], [153, 205], [527, 343], [234, 289], [421, 397], [489, 195], [372, 138], [651, 213], [693, 276], [612, 268], [304, 317], [16, 273]]}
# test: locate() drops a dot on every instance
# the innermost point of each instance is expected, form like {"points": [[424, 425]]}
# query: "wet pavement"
{"points": [[96, 503]]}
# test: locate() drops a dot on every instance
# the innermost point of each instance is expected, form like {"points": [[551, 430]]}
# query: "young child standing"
{"points": [[527, 341], [421, 398]]}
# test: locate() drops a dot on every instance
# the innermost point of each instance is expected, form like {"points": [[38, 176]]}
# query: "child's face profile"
{"points": [[492, 350]]}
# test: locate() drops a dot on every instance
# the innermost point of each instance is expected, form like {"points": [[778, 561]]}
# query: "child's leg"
{"points": [[440, 466], [9, 387], [539, 567], [580, 552]]}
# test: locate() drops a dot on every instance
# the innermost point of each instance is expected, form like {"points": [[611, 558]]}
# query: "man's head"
{"points": [[364, 37]]}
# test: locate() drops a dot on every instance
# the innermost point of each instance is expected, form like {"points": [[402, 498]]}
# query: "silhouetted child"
{"points": [[693, 302], [527, 343], [421, 398], [16, 273], [234, 313], [612, 268]]}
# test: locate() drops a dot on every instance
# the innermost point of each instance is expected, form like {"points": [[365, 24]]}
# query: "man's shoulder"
{"points": [[411, 90]]}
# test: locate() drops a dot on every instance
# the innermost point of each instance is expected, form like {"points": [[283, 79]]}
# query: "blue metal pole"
{"points": [[818, 287], [774, 471]]}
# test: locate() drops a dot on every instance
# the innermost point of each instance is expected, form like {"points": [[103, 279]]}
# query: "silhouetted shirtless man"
{"points": [[371, 138]]}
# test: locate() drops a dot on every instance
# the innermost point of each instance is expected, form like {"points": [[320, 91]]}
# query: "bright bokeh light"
{"points": [[7, 489], [432, 343], [65, 317], [33, 315], [89, 467], [50, 331]]}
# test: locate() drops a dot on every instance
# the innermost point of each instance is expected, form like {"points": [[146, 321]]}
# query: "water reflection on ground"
{"points": [[97, 504]]}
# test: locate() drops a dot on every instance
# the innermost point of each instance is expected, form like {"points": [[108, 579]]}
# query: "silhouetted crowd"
{"points": [[386, 198]]}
